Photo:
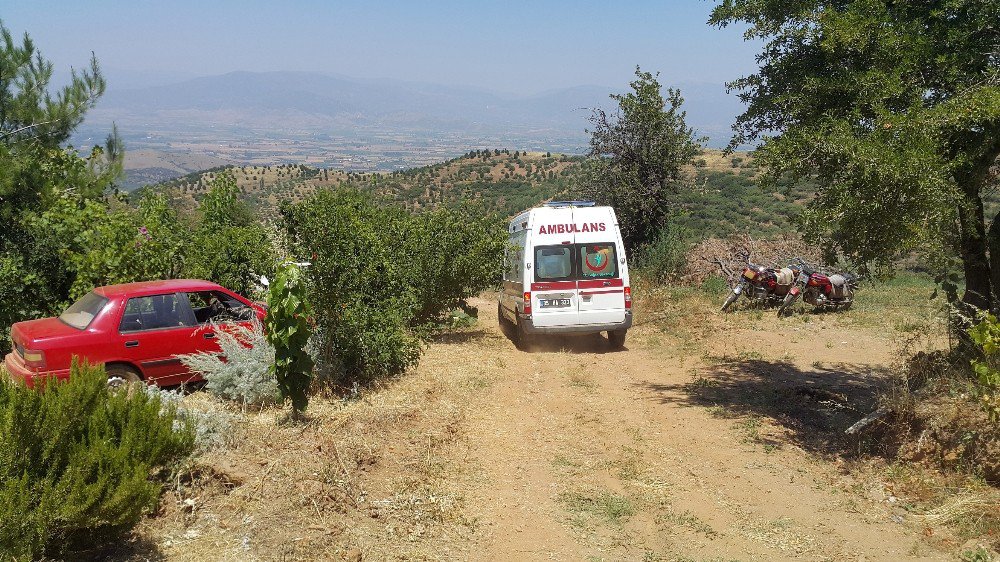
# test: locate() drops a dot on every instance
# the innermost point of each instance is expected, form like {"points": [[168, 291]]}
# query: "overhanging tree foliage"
{"points": [[37, 174], [894, 107], [28, 110], [636, 156]]}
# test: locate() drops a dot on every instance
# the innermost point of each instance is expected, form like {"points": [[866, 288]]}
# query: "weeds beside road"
{"points": [[710, 437]]}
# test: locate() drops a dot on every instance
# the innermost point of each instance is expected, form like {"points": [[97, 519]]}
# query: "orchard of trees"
{"points": [[894, 109], [891, 110], [382, 279]]}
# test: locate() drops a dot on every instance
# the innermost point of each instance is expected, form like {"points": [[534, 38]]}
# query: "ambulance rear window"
{"points": [[598, 261], [553, 263]]}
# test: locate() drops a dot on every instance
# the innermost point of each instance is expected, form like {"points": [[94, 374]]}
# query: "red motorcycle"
{"points": [[824, 292], [762, 284]]}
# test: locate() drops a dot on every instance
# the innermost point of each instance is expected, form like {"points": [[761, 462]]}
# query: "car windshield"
{"points": [[81, 313]]}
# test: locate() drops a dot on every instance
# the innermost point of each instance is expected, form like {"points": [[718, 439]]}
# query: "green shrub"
{"points": [[664, 258], [381, 275], [229, 245], [77, 463], [986, 335], [122, 245]]}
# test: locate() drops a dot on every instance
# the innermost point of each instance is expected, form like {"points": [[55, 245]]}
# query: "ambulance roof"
{"points": [[581, 209]]}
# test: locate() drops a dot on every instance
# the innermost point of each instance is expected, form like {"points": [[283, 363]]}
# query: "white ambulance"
{"points": [[565, 273]]}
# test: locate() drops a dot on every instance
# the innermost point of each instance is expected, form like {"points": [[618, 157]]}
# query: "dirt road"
{"points": [[656, 452], [708, 438]]}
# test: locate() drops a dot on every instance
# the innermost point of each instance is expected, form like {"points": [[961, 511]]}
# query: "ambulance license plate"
{"points": [[554, 303]]}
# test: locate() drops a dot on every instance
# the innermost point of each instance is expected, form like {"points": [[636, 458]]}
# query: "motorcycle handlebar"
{"points": [[810, 268]]}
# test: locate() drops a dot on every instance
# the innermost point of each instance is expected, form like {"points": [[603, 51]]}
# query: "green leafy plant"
{"points": [[76, 462], [229, 245], [107, 246], [980, 554], [288, 330], [381, 276], [986, 335], [637, 156], [665, 256]]}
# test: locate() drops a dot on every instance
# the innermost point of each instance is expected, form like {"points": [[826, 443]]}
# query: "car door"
{"points": [[218, 311], [154, 331]]}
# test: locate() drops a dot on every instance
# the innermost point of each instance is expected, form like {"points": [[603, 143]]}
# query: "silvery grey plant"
{"points": [[242, 372]]}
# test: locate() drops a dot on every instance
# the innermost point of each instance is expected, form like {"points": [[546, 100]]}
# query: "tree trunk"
{"points": [[972, 244], [993, 241]]}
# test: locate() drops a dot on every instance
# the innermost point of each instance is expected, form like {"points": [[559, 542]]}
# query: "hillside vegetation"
{"points": [[724, 198]]}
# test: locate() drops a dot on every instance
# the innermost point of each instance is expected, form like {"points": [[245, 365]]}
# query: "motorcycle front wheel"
{"points": [[729, 301], [786, 304]]}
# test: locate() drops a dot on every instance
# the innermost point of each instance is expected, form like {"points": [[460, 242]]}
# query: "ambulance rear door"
{"points": [[554, 298], [603, 275]]}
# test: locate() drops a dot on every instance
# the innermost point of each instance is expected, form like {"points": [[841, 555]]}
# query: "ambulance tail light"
{"points": [[628, 298], [527, 302]]}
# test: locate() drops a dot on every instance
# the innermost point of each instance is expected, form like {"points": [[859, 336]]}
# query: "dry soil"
{"points": [[706, 438]]}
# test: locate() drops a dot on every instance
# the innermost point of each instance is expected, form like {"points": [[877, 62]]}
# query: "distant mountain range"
{"points": [[336, 121], [306, 101]]}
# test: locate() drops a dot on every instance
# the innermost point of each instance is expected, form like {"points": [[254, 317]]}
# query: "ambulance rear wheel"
{"points": [[522, 338], [617, 338], [505, 324]]}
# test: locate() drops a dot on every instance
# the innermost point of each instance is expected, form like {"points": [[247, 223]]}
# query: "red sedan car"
{"points": [[136, 330]]}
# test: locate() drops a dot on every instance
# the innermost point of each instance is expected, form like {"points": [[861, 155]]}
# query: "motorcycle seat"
{"points": [[784, 276], [838, 287]]}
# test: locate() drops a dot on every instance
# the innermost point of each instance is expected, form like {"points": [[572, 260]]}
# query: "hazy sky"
{"points": [[509, 46]]}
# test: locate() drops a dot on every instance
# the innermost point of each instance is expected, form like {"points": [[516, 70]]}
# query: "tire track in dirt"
{"points": [[584, 453]]}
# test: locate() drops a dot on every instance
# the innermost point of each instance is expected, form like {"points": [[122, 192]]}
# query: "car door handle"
{"points": [[132, 343], [209, 336]]}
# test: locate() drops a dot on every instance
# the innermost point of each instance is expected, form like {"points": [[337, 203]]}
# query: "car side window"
{"points": [[155, 312], [216, 306]]}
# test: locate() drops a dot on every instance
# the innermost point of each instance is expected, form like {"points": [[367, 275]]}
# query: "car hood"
{"points": [[40, 330]]}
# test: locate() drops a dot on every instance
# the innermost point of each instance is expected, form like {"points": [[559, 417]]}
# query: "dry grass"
{"points": [[935, 467], [379, 474], [714, 160], [387, 475], [952, 508]]}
